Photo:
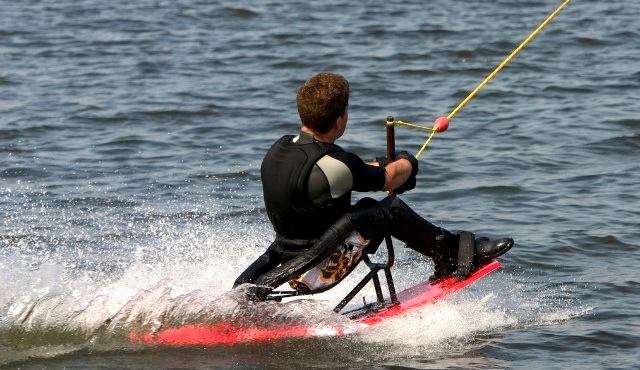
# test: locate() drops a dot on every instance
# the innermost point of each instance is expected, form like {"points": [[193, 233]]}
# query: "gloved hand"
{"points": [[413, 160], [384, 161], [410, 184]]}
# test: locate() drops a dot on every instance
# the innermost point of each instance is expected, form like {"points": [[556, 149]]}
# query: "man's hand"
{"points": [[384, 161], [410, 183], [414, 162]]}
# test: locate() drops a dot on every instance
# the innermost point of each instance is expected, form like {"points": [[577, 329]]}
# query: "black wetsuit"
{"points": [[307, 187]]}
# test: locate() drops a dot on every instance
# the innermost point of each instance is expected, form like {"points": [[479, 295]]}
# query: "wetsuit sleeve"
{"points": [[365, 177]]}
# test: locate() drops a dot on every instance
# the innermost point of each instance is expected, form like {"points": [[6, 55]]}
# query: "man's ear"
{"points": [[336, 124]]}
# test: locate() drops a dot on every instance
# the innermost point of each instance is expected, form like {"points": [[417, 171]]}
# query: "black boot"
{"points": [[489, 249], [445, 259], [462, 252]]}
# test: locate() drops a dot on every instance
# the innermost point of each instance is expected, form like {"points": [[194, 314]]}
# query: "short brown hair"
{"points": [[321, 100]]}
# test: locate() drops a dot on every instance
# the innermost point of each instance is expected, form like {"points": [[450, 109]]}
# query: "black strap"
{"points": [[466, 252]]}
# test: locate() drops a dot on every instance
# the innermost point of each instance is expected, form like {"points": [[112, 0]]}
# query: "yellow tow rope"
{"points": [[442, 123]]}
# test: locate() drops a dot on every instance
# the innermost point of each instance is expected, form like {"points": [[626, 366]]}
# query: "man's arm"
{"points": [[396, 173]]}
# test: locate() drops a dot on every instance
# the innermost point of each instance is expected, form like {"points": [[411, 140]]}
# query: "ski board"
{"points": [[227, 333]]}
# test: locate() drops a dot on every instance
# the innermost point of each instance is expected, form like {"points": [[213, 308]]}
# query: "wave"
{"points": [[72, 315]]}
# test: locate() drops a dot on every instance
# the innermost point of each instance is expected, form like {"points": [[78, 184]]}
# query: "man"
{"points": [[308, 180]]}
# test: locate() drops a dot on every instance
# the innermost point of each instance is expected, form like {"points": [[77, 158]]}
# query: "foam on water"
{"points": [[174, 273]]}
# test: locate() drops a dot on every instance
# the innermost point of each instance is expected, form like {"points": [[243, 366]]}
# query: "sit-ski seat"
{"points": [[334, 255]]}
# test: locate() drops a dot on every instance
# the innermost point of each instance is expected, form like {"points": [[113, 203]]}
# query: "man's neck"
{"points": [[325, 137]]}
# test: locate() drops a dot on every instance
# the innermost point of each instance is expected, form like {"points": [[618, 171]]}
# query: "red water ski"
{"points": [[227, 333], [425, 293]]}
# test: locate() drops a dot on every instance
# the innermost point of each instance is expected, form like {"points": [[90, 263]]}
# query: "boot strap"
{"points": [[466, 252]]}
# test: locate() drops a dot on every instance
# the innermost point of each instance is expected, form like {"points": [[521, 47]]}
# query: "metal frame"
{"points": [[375, 268], [373, 275]]}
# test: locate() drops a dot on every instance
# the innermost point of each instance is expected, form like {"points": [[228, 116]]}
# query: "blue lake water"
{"points": [[131, 136]]}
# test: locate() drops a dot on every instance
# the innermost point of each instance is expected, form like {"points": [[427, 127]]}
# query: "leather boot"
{"points": [[487, 249]]}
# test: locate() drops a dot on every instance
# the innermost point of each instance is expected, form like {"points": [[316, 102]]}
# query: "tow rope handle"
{"points": [[391, 145]]}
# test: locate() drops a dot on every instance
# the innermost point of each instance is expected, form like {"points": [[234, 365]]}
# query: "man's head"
{"points": [[321, 100]]}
